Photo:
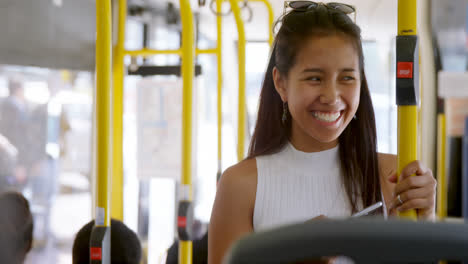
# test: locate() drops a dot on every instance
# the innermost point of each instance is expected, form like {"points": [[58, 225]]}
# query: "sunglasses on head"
{"points": [[303, 6]]}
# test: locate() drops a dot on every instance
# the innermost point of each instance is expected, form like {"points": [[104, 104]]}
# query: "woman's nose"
{"points": [[329, 94]]}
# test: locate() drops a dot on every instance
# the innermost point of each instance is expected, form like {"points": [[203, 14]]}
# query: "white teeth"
{"points": [[326, 116]]}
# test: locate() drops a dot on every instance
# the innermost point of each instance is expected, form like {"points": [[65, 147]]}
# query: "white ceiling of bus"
{"points": [[377, 18]]}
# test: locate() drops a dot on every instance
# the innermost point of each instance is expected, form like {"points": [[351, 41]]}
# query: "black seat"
{"points": [[368, 241]]}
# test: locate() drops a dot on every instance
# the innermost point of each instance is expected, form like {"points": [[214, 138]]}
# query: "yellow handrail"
{"points": [[206, 51], [151, 52], [99, 242], [219, 49], [441, 173], [188, 55], [407, 114], [118, 75], [241, 124], [407, 17], [103, 95]]}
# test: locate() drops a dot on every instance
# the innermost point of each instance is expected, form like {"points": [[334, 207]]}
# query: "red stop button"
{"points": [[96, 253], [405, 70]]}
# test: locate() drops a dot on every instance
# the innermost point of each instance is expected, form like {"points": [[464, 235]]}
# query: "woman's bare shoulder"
{"points": [[245, 170], [242, 176]]}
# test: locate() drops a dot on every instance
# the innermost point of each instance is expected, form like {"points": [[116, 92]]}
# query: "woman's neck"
{"points": [[305, 143]]}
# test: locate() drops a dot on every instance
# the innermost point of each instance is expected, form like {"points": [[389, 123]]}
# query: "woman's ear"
{"points": [[280, 84]]}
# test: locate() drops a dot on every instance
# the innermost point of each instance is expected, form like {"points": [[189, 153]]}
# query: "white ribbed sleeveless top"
{"points": [[295, 186]]}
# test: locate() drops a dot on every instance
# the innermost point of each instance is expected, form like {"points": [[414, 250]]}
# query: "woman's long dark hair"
{"points": [[358, 142]]}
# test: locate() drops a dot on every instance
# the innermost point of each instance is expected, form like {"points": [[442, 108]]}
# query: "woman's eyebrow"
{"points": [[313, 70], [321, 70]]}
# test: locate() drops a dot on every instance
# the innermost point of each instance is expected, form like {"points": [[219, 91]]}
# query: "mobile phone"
{"points": [[368, 210]]}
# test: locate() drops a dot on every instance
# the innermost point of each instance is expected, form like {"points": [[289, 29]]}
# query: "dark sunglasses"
{"points": [[303, 6]]}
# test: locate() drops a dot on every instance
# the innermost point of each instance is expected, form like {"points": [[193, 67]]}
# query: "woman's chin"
{"points": [[325, 138], [324, 135]]}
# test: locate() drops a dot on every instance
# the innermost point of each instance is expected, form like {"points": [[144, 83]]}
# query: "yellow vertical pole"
{"points": [[103, 96], [99, 244], [188, 55], [219, 48], [241, 127], [407, 88], [407, 17], [441, 172], [118, 76]]}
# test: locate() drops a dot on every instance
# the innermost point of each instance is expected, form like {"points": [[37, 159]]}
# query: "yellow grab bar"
{"points": [[103, 95], [407, 89], [407, 143], [151, 52], [188, 55], [99, 242], [219, 48], [407, 17], [118, 75], [441, 173], [241, 127], [206, 51]]}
